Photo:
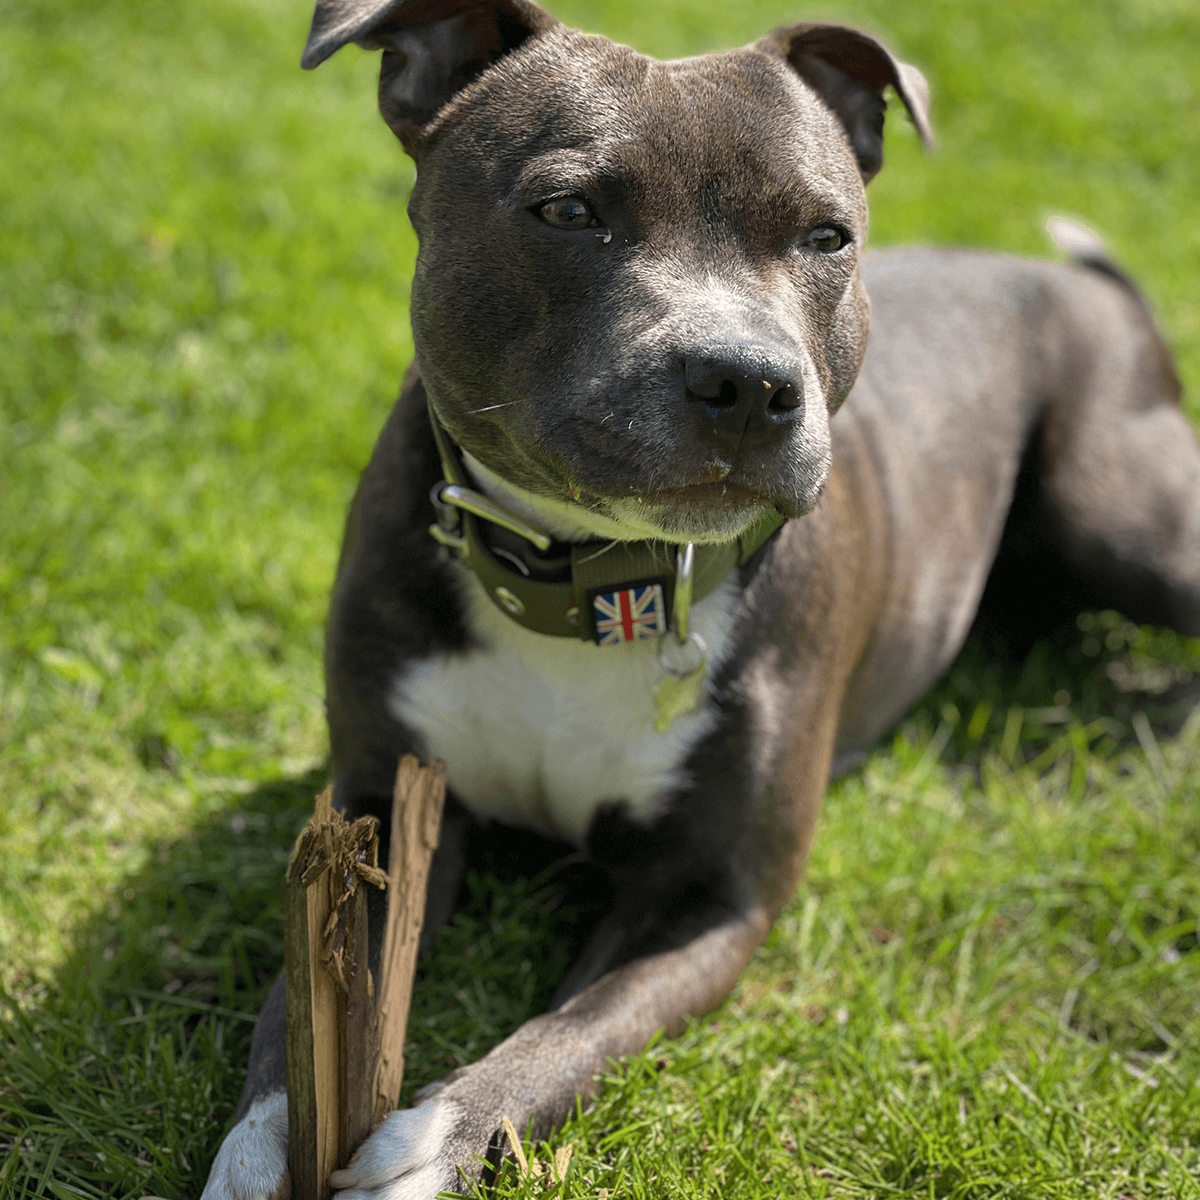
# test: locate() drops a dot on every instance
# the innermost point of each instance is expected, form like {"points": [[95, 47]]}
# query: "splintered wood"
{"points": [[330, 1025], [345, 1037]]}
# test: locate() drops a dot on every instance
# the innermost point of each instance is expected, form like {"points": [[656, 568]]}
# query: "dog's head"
{"points": [[637, 288]]}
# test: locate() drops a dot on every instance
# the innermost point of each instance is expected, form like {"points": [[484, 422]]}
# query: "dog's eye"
{"points": [[824, 238], [568, 212]]}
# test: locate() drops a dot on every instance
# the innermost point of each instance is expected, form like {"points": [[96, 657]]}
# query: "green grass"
{"points": [[987, 985]]}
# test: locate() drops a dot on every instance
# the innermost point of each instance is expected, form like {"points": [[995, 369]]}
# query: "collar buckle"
{"points": [[450, 500], [447, 528]]}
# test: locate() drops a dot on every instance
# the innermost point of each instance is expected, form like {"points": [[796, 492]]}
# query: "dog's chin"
{"points": [[707, 513]]}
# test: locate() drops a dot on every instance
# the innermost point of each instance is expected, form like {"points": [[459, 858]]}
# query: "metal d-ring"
{"points": [[679, 650], [681, 606]]}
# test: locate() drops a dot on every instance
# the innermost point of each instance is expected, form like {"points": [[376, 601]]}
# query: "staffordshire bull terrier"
{"points": [[612, 560]]}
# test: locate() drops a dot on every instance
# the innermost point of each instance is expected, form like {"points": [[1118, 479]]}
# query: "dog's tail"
{"points": [[1084, 247]]}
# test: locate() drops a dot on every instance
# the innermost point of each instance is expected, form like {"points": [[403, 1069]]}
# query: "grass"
{"points": [[987, 985]]}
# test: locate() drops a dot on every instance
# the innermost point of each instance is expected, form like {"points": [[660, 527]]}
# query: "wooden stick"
{"points": [[357, 1034], [345, 1038], [330, 1010], [417, 802]]}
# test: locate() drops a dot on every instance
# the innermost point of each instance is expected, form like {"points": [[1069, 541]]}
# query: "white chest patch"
{"points": [[537, 731]]}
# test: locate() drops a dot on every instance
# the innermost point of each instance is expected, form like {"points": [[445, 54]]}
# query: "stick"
{"points": [[330, 1018], [345, 1038], [417, 802]]}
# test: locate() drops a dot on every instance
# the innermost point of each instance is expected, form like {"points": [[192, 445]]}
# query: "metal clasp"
{"points": [[447, 529], [448, 498]]}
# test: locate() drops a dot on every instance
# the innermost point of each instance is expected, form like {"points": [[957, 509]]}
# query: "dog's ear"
{"points": [[850, 71], [432, 48]]}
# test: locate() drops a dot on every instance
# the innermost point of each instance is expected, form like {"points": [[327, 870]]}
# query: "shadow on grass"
{"points": [[120, 1073]]}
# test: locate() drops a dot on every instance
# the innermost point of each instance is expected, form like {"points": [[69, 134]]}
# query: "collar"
{"points": [[601, 591]]}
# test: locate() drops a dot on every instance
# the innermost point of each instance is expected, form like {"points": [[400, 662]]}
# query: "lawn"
{"points": [[988, 984]]}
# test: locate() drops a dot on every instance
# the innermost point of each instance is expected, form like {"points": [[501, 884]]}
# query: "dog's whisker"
{"points": [[492, 407], [603, 550]]}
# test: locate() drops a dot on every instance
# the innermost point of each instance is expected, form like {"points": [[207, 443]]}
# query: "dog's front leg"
{"points": [[534, 1076]]}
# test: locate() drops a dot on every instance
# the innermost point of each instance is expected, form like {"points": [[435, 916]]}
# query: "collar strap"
{"points": [[599, 591]]}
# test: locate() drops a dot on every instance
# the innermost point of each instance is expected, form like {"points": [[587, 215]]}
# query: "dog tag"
{"points": [[681, 688], [676, 695]]}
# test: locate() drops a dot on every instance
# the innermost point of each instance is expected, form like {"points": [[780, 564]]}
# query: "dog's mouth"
{"points": [[577, 487], [683, 490]]}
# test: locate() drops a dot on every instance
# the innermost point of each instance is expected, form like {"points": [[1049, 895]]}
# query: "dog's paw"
{"points": [[252, 1161], [413, 1155]]}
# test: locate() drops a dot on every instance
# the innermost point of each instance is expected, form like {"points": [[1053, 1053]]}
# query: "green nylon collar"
{"points": [[563, 607]]}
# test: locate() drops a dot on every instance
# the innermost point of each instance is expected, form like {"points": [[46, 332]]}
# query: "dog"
{"points": [[612, 559]]}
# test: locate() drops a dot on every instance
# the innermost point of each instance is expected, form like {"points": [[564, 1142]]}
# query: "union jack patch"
{"points": [[630, 615]]}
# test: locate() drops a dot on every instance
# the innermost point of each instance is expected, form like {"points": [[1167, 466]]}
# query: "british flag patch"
{"points": [[629, 615]]}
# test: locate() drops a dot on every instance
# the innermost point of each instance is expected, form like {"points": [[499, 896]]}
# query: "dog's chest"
{"points": [[539, 731]]}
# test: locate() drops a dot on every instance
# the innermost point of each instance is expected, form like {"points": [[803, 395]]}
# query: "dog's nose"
{"points": [[749, 397]]}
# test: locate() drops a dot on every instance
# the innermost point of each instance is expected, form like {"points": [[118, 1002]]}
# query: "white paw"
{"points": [[405, 1158], [252, 1161]]}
